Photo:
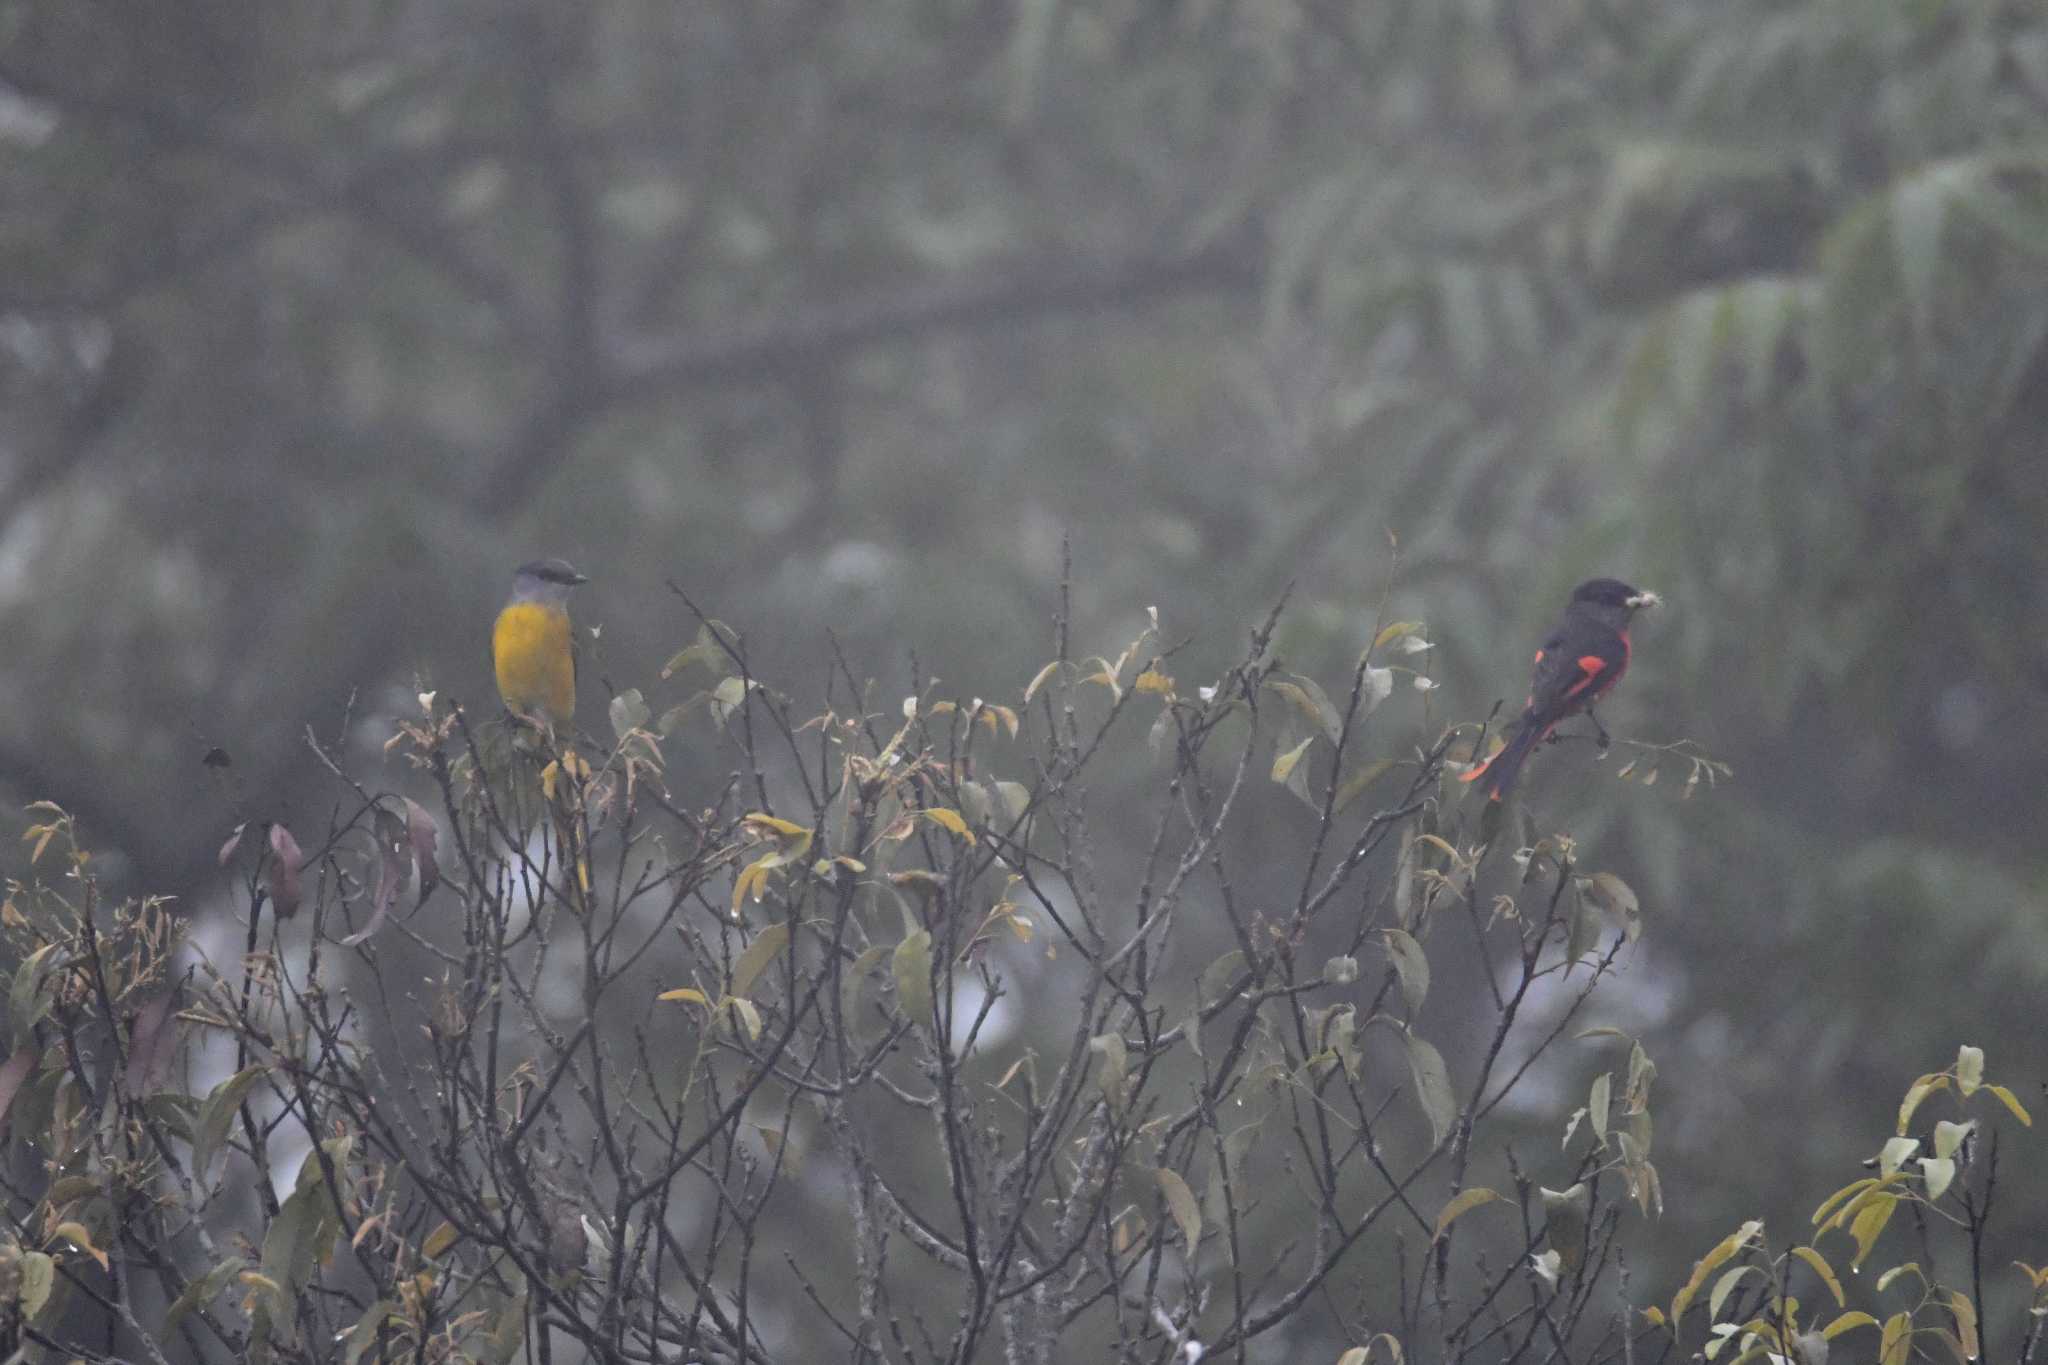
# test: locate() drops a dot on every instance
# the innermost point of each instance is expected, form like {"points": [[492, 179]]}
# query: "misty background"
{"points": [[316, 320]]}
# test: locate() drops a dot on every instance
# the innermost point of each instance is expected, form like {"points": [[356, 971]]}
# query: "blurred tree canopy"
{"points": [[318, 319]]}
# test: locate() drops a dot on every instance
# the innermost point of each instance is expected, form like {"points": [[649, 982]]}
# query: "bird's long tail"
{"points": [[1503, 768]]}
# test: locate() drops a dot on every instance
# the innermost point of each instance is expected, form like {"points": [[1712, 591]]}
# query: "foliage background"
{"points": [[317, 319]]}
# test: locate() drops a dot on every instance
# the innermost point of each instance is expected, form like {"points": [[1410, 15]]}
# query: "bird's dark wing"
{"points": [[1576, 664], [1554, 672]]}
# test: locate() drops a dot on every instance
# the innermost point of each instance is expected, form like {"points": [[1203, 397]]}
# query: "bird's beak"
{"points": [[1644, 599]]}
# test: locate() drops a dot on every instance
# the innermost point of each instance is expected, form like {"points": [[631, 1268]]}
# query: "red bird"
{"points": [[1578, 664]]}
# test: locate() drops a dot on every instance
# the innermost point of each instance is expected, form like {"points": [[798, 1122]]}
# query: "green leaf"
{"points": [[1919, 213], [202, 1290], [363, 1335], [507, 1332], [1110, 1080], [1938, 1172], [1599, 1104], [762, 951], [1566, 1213], [1218, 975], [218, 1111], [28, 1000], [1969, 1070], [1725, 1286], [297, 1239], [911, 965], [38, 1281], [1379, 685], [628, 712], [1356, 784], [1310, 700], [1617, 901], [1016, 802], [852, 985], [745, 1015], [1585, 921], [1432, 1085], [1949, 1136], [1411, 966], [726, 698], [707, 650]]}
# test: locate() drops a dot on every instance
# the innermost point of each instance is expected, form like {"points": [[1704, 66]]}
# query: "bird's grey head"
{"points": [[545, 580]]}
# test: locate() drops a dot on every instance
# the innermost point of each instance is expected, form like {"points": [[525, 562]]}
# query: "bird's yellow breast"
{"points": [[531, 650]]}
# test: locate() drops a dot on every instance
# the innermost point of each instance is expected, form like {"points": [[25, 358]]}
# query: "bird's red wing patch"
{"points": [[1539, 656], [1591, 666]]}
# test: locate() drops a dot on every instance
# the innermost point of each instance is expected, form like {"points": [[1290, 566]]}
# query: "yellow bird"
{"points": [[532, 646]]}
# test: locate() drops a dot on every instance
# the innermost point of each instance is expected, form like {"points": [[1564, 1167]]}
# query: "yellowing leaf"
{"points": [[1847, 1322], [752, 881], [1848, 1191], [1039, 680], [1938, 1172], [438, 1241], [1964, 1310], [950, 821], [1895, 1347], [2011, 1101], [1180, 1202], [1466, 1201], [1823, 1269], [76, 1234], [1284, 764], [1154, 682], [1915, 1093], [1394, 632], [1726, 1248], [762, 825], [687, 994], [1869, 1223]]}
